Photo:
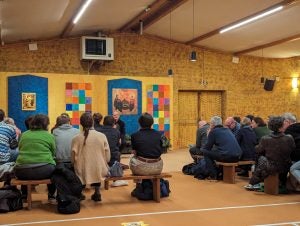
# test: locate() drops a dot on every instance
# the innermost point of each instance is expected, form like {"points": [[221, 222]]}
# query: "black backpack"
{"points": [[188, 169], [144, 190], [69, 188], [10, 199], [164, 188], [68, 204]]}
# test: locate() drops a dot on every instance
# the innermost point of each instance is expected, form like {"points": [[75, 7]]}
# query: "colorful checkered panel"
{"points": [[158, 104], [78, 101]]}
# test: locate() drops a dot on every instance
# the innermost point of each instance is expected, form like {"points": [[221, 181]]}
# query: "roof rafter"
{"points": [[67, 30], [266, 45], [1, 34], [284, 3], [158, 9]]}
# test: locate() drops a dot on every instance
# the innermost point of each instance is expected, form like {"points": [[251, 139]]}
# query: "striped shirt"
{"points": [[7, 133]]}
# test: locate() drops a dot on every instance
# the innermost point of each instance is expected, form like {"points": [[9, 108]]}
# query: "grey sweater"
{"points": [[63, 138]]}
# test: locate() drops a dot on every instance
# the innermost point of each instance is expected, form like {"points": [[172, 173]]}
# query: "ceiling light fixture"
{"points": [[81, 11], [251, 19], [193, 55]]}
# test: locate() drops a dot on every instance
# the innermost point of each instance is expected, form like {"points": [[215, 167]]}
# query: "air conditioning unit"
{"points": [[97, 48]]}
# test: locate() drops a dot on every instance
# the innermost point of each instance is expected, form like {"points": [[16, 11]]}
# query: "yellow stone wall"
{"points": [[56, 89], [147, 59]]}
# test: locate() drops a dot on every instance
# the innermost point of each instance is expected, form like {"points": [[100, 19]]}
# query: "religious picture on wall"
{"points": [[28, 101], [125, 101]]}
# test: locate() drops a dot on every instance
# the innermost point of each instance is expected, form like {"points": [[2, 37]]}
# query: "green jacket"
{"points": [[261, 131], [36, 146]]}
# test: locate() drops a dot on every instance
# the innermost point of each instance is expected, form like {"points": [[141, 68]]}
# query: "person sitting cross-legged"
{"points": [[114, 141], [274, 152], [8, 154], [201, 139], [147, 148], [247, 140], [292, 127], [221, 145]]}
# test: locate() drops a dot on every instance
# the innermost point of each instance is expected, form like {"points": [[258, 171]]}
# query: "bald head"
{"points": [[201, 123], [230, 123], [116, 115]]}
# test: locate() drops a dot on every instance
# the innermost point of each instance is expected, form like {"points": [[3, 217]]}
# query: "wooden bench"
{"points": [[229, 169], [29, 183], [271, 184], [155, 180]]}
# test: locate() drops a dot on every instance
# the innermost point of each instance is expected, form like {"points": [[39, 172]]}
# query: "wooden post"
{"points": [[229, 174], [271, 184], [156, 189], [29, 198]]}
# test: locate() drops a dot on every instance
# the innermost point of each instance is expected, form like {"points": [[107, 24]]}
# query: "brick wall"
{"points": [[137, 55]]}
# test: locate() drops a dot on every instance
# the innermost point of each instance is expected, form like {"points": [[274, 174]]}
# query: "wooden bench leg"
{"points": [[271, 184], [29, 197], [156, 189], [106, 184], [229, 174]]}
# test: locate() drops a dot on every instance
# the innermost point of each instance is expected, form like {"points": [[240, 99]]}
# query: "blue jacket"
{"points": [[246, 138], [223, 141]]}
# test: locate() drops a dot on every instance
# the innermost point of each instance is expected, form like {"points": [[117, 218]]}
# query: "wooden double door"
{"points": [[195, 105]]}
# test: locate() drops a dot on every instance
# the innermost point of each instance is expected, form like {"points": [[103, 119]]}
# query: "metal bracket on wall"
{"points": [[91, 63]]}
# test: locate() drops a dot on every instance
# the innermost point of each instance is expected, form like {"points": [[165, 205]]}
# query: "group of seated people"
{"points": [[89, 152], [274, 147]]}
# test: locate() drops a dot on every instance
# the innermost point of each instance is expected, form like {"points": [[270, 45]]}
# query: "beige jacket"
{"points": [[90, 161]]}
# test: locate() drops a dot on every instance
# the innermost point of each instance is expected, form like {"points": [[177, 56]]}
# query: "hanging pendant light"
{"points": [[203, 81], [262, 78], [170, 71], [193, 55]]}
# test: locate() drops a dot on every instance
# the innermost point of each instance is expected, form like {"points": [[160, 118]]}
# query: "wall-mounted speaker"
{"points": [[269, 84]]}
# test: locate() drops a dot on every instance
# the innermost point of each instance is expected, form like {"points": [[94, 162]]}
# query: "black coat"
{"points": [[294, 130], [277, 148], [66, 181], [246, 138]]}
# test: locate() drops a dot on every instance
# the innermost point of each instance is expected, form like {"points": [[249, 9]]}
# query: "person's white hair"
{"points": [[10, 121], [216, 120], [246, 121], [290, 117]]}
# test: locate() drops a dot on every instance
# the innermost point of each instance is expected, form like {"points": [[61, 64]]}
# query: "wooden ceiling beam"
{"points": [[156, 11], [277, 42], [284, 3], [142, 15], [67, 30]]}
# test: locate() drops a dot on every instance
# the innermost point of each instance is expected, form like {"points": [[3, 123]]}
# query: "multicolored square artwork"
{"points": [[78, 101], [158, 104]]}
